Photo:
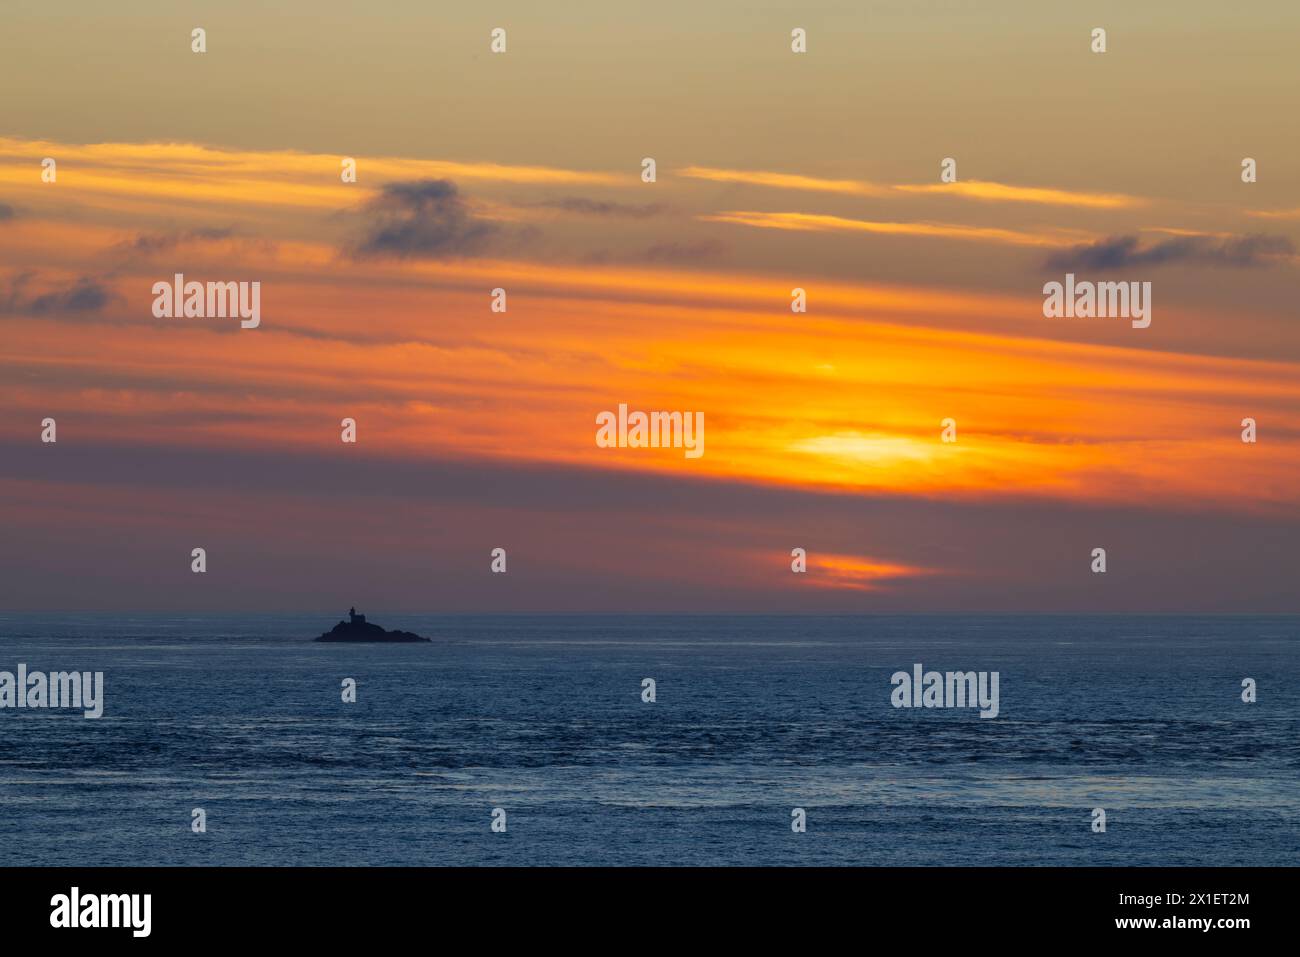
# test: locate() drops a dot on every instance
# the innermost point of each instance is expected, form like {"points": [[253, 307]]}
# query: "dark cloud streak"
{"points": [[424, 219], [84, 296], [149, 243], [1121, 252]]}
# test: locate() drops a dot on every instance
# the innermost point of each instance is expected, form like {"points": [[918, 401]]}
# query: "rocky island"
{"points": [[356, 628]]}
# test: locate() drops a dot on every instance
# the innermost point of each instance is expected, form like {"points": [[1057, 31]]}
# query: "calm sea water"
{"points": [[755, 716]]}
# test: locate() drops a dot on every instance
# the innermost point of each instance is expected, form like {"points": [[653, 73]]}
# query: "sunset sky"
{"points": [[775, 170]]}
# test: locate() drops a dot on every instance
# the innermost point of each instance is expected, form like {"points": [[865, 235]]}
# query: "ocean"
{"points": [[543, 717]]}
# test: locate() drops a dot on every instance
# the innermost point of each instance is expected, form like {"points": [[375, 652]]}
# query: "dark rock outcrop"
{"points": [[356, 628]]}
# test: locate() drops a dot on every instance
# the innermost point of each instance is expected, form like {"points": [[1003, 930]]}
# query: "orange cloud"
{"points": [[982, 190], [848, 402], [849, 399], [792, 181], [857, 573], [1274, 213], [813, 222], [986, 191]]}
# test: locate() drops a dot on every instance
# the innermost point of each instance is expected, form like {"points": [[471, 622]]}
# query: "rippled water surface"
{"points": [[755, 716]]}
